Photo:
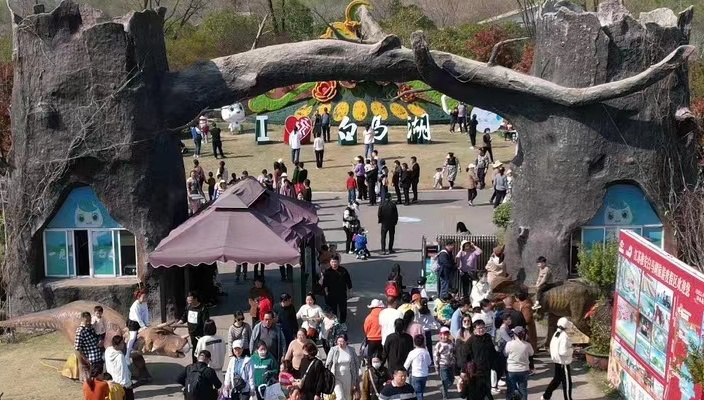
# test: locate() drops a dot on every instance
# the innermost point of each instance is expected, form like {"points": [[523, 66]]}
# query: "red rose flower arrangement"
{"points": [[325, 91]]}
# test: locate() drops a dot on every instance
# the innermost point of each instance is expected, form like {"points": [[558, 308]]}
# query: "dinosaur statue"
{"points": [[155, 340], [571, 299], [350, 28]]}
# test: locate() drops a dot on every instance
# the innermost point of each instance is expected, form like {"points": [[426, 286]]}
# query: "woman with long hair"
{"points": [[295, 351], [462, 228], [462, 345], [138, 318], [343, 362]]}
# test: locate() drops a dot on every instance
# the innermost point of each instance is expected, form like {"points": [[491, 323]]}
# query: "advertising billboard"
{"points": [[658, 313]]}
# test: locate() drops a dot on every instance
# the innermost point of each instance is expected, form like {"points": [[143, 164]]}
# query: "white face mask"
{"points": [[262, 354], [466, 326], [376, 365]]}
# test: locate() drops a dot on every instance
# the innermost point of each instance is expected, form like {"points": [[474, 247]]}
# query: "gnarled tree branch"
{"points": [[228, 79], [468, 75], [497, 47]]}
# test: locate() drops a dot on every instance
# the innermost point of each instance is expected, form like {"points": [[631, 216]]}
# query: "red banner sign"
{"points": [[658, 313]]}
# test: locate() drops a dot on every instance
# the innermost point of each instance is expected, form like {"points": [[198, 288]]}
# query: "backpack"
{"points": [[327, 380], [196, 386], [435, 266], [392, 290]]}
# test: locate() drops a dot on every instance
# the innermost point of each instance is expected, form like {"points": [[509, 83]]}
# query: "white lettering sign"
{"points": [[380, 131], [347, 130]]}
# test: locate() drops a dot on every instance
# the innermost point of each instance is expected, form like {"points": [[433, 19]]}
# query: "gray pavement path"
{"points": [[436, 212]]}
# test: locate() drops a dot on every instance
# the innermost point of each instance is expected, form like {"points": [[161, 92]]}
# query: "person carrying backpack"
{"points": [[316, 380], [444, 266], [199, 381]]}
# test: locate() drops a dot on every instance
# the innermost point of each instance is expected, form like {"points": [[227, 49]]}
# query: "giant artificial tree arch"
{"points": [[94, 103]]}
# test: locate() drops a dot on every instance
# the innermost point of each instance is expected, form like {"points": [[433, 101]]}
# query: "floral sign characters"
{"points": [[347, 132], [324, 91], [304, 125], [418, 130], [381, 132]]}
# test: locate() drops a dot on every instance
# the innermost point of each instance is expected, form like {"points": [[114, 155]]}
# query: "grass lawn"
{"points": [[242, 153], [25, 375]]}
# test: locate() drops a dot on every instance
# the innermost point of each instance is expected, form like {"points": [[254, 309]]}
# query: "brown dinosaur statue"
{"points": [[156, 340], [571, 299]]}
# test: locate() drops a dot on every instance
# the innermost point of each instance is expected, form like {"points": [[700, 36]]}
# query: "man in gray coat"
{"points": [[270, 333]]}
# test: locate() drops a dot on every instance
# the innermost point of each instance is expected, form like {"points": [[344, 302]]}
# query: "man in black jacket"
{"points": [[415, 178], [397, 346], [217, 141], [199, 381], [483, 353], [195, 315], [388, 218], [286, 317], [336, 283]]}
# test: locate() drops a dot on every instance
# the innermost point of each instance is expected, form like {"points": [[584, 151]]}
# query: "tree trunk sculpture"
{"points": [[94, 103]]}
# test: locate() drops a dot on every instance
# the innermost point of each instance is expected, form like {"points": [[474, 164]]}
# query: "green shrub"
{"points": [[502, 215], [597, 265], [600, 333], [694, 363]]}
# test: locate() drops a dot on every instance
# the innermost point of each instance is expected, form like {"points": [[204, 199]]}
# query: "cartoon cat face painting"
{"points": [[234, 115], [618, 213], [88, 215]]}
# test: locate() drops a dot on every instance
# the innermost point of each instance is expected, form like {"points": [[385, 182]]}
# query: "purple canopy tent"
{"points": [[247, 223]]}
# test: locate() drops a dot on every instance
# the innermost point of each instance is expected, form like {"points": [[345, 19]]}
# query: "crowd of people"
{"points": [[480, 352], [297, 185]]}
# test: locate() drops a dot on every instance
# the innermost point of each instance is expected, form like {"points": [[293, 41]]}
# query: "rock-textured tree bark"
{"points": [[570, 155], [86, 111], [94, 104]]}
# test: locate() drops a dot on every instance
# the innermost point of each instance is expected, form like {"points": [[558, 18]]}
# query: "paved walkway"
{"points": [[437, 212]]}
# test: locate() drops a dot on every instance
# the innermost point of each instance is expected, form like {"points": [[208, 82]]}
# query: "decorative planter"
{"points": [[596, 360]]}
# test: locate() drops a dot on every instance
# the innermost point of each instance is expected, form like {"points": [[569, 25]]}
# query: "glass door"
{"points": [[55, 253], [102, 253]]}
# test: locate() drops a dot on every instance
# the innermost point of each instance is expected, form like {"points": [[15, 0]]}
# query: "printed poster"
{"points": [[658, 312]]}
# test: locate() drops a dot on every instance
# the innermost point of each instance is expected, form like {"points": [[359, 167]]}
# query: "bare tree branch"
{"points": [[473, 74], [497, 47], [259, 31], [412, 91]]}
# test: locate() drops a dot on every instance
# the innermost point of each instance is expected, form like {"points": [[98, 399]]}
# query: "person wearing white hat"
{"points": [[445, 360], [372, 329], [561, 354], [238, 378], [517, 360]]}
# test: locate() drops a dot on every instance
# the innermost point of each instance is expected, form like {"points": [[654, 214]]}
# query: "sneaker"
{"points": [[471, 147], [392, 251], [358, 257], [495, 391], [350, 252], [385, 253], [502, 383]]}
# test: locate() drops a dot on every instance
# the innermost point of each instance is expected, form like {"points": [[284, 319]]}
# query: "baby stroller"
{"points": [[360, 245]]}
